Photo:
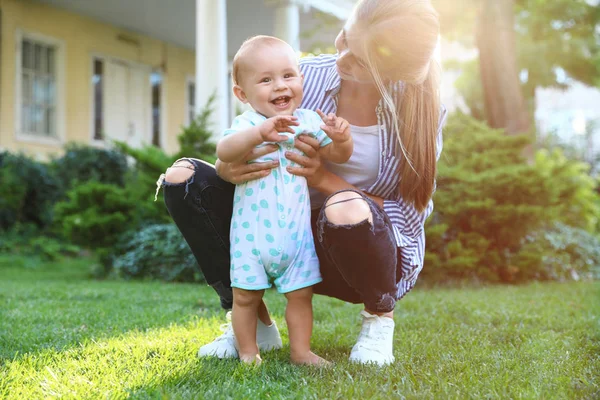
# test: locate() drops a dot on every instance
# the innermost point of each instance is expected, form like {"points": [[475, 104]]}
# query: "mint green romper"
{"points": [[271, 235]]}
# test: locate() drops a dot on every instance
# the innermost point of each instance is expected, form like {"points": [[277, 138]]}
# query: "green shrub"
{"points": [[158, 252], [95, 214], [26, 240], [559, 253], [573, 190], [489, 199], [195, 139], [82, 163], [149, 163], [28, 190]]}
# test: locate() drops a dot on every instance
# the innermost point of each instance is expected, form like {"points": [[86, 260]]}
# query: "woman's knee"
{"points": [[347, 208], [179, 172]]}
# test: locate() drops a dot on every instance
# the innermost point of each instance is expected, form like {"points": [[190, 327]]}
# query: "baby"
{"points": [[271, 235]]}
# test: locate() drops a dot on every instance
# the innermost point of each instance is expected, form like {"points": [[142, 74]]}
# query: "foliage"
{"points": [[488, 200], [556, 42], [158, 252], [95, 214], [150, 162], [572, 191], [81, 164], [139, 340], [558, 34], [26, 240], [96, 197], [320, 35], [195, 139], [28, 190], [579, 147], [469, 86], [457, 19], [560, 253], [550, 35]]}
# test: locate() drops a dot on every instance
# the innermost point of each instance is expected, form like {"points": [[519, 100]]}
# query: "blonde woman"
{"points": [[367, 214]]}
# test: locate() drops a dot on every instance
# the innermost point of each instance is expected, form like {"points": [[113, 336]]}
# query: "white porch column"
{"points": [[287, 22], [211, 61]]}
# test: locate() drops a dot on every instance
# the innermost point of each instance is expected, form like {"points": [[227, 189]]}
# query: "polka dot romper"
{"points": [[271, 236]]}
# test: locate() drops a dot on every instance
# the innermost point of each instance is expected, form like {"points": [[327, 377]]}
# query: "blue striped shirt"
{"points": [[321, 85]]}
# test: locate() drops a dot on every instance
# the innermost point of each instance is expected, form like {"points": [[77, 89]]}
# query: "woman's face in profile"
{"points": [[350, 64]]}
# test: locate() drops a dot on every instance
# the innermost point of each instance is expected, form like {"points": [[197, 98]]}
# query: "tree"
{"points": [[536, 41], [557, 35], [195, 139], [495, 38], [489, 25]]}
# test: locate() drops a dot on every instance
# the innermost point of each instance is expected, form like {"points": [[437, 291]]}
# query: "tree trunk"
{"points": [[504, 103]]}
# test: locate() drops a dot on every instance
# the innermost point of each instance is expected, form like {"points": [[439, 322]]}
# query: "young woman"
{"points": [[368, 213]]}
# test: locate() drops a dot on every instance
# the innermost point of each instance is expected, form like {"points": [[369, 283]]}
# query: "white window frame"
{"points": [[60, 138]]}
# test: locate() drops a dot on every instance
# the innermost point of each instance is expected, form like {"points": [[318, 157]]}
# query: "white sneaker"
{"points": [[375, 343], [224, 346], [267, 337]]}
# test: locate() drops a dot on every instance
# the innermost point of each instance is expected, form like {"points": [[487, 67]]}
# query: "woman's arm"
{"points": [[312, 169], [407, 222]]}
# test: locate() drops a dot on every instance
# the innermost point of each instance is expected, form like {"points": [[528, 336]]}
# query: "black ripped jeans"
{"points": [[358, 262]]}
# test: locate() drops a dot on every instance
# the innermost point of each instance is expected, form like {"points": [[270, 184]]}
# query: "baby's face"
{"points": [[271, 81]]}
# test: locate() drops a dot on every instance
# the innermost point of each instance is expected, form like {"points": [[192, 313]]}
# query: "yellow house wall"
{"points": [[82, 38]]}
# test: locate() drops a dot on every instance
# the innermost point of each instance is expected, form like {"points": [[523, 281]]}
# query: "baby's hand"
{"points": [[270, 129], [337, 128]]}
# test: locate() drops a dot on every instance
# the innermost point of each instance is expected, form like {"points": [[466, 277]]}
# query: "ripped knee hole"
{"points": [[350, 215], [179, 172]]}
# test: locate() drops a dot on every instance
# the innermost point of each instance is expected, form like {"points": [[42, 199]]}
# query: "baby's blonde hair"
{"points": [[250, 45], [398, 39]]}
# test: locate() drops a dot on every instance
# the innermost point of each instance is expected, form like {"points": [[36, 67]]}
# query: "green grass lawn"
{"points": [[63, 335]]}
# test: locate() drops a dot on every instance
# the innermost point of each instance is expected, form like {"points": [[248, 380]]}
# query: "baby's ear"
{"points": [[240, 94]]}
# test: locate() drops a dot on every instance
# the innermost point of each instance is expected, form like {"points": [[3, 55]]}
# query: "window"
{"points": [[191, 100], [98, 84], [38, 108], [156, 85]]}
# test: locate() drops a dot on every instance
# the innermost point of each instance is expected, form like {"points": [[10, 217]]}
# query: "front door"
{"points": [[127, 104]]}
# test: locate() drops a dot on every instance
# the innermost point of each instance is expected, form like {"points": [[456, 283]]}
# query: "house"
{"points": [[90, 71]]}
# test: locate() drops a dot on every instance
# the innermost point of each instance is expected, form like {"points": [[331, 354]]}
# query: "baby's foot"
{"points": [[310, 358], [251, 359]]}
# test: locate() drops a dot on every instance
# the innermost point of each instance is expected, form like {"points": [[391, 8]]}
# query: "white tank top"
{"points": [[362, 168]]}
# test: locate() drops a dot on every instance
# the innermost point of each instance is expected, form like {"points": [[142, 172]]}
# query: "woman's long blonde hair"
{"points": [[398, 39]]}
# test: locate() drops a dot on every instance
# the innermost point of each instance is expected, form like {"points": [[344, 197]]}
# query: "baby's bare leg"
{"points": [[243, 320], [299, 318]]}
